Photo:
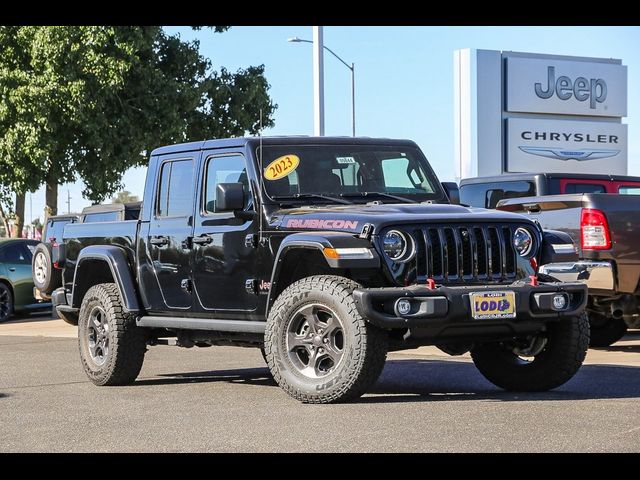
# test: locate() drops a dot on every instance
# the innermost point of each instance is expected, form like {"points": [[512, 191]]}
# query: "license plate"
{"points": [[493, 305]]}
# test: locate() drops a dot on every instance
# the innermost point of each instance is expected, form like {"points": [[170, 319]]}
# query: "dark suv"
{"points": [[327, 253]]}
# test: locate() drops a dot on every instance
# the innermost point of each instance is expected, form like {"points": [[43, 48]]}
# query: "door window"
{"points": [[224, 169], [16, 253], [628, 190], [175, 197]]}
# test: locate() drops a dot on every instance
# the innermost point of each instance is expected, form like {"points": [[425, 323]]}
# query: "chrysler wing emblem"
{"points": [[568, 154]]}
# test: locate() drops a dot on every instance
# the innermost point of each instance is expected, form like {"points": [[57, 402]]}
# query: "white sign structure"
{"points": [[581, 147], [519, 112]]}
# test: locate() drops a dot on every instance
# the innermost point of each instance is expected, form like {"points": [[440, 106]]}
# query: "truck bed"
{"points": [[79, 235], [562, 212]]}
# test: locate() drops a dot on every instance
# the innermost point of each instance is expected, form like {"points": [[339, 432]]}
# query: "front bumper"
{"points": [[596, 274], [446, 307]]}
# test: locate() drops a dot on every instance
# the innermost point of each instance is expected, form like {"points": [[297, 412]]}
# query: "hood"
{"points": [[351, 218]]}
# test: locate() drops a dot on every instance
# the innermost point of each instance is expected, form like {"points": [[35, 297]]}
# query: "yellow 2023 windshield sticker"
{"points": [[281, 167]]}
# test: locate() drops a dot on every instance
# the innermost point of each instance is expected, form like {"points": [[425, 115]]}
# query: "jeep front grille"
{"points": [[465, 253]]}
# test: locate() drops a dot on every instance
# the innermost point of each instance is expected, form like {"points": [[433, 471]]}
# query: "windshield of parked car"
{"points": [[356, 173]]}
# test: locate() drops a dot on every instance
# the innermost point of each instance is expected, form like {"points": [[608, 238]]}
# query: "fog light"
{"points": [[559, 301], [403, 306]]}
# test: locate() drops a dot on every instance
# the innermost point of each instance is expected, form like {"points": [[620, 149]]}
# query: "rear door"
{"points": [[170, 229]]}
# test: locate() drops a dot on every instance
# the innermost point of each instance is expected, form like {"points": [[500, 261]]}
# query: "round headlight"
{"points": [[522, 242], [397, 246]]}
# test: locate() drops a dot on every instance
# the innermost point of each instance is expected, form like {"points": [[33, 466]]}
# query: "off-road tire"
{"points": [[364, 350], [6, 302], [52, 277], [127, 342], [605, 330], [562, 356]]}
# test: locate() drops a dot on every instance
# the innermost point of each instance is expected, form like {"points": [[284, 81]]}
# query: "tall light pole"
{"points": [[351, 67], [318, 82]]}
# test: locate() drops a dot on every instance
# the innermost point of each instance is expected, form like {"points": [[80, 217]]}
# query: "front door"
{"points": [[223, 263], [170, 228]]}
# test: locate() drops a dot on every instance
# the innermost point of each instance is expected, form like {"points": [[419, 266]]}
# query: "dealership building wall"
{"points": [[524, 112]]}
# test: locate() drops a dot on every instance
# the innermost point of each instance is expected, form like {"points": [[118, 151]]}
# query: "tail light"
{"points": [[594, 230]]}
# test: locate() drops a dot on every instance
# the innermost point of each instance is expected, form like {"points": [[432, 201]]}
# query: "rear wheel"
{"points": [[605, 330], [538, 363], [318, 347], [112, 346], [6, 302]]}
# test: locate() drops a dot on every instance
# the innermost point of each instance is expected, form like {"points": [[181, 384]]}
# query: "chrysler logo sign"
{"points": [[568, 154], [594, 90]]}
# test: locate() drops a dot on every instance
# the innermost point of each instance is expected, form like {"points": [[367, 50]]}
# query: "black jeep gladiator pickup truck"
{"points": [[326, 253], [602, 215]]}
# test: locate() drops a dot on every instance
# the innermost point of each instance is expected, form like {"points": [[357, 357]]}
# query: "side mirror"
{"points": [[229, 197], [452, 191]]}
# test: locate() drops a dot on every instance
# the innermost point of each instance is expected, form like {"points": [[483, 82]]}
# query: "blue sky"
{"points": [[404, 80]]}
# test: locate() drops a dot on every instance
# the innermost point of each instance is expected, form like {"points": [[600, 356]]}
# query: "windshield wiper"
{"points": [[313, 195], [380, 194]]}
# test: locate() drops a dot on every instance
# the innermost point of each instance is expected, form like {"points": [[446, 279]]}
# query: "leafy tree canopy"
{"points": [[88, 101]]}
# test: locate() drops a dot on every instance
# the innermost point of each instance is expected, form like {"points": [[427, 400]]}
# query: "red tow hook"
{"points": [[431, 283], [534, 280]]}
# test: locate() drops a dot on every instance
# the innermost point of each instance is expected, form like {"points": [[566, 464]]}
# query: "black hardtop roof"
{"points": [[529, 176], [281, 140]]}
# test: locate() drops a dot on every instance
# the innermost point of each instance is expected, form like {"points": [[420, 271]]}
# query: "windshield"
{"points": [[348, 171]]}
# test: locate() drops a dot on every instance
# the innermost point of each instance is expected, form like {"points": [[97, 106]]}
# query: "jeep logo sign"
{"points": [[594, 90], [566, 87]]}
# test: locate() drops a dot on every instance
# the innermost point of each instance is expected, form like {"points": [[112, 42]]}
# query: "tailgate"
{"points": [[554, 212]]}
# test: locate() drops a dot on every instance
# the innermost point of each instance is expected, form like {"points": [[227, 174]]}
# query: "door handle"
{"points": [[159, 241], [12, 269], [202, 240]]}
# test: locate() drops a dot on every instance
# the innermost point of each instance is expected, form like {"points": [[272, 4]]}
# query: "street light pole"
{"points": [[351, 67], [318, 82]]}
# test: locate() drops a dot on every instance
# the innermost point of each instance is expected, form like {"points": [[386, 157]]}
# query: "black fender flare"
{"points": [[116, 259], [319, 241], [557, 247]]}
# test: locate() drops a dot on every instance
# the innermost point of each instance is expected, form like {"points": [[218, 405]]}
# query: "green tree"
{"points": [[124, 197], [86, 102]]}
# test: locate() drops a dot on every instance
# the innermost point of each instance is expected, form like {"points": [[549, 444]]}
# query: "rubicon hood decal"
{"points": [[329, 224]]}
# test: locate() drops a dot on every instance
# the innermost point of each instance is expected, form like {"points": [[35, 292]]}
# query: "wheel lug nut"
{"points": [[325, 340], [320, 331]]}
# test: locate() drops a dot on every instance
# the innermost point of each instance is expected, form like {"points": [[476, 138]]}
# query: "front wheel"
{"points": [[538, 363], [112, 346], [318, 347]]}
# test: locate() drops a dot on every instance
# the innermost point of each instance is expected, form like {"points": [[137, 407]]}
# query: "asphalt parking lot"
{"points": [[221, 399]]}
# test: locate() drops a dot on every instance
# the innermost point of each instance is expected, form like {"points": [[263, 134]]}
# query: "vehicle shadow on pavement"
{"points": [[248, 376], [28, 317], [414, 380]]}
